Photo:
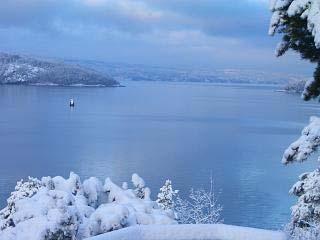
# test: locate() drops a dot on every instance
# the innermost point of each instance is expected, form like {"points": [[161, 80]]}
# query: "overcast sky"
{"points": [[189, 33]]}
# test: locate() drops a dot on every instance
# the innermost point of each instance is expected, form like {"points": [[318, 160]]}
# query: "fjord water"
{"points": [[178, 131]]}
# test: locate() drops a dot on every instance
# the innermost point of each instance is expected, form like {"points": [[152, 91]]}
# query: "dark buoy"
{"points": [[71, 104]]}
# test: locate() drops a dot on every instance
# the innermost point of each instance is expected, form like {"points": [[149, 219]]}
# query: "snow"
{"points": [[59, 208], [191, 232], [140, 191], [308, 142], [91, 188]]}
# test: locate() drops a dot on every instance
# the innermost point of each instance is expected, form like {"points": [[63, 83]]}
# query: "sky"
{"points": [[177, 33]]}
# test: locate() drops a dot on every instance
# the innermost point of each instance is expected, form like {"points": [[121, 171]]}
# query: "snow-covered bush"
{"points": [[23, 189], [305, 214], [201, 207], [67, 209], [166, 196]]}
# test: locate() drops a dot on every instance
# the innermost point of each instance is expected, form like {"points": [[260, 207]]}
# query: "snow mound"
{"points": [[59, 208], [191, 232]]}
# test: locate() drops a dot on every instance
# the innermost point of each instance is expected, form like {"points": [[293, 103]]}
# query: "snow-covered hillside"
{"points": [[17, 69], [191, 232]]}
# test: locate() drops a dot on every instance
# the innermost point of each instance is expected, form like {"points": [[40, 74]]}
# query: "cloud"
{"points": [[213, 17], [139, 29], [131, 9]]}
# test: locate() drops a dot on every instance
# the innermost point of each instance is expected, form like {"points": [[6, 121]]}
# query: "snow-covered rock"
{"points": [[58, 208], [191, 232]]}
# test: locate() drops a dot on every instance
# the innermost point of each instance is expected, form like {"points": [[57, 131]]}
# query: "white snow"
{"points": [[59, 208], [191, 232], [137, 181]]}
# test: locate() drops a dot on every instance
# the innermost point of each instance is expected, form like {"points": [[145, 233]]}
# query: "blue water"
{"points": [[183, 132]]}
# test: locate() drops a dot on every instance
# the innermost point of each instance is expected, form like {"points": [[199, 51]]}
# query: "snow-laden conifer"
{"points": [[305, 220], [139, 185], [298, 21], [167, 196]]}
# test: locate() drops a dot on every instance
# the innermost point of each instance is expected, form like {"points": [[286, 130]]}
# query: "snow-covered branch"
{"points": [[201, 207], [305, 9], [308, 143], [305, 221]]}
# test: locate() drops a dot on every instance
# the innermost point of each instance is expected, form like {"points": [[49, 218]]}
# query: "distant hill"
{"points": [[137, 72], [18, 69]]}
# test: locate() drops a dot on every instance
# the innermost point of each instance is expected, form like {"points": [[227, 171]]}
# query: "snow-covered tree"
{"points": [[68, 209], [201, 207], [139, 185], [298, 21], [166, 196], [306, 213]]}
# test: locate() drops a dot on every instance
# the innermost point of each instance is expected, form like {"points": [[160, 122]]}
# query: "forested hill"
{"points": [[18, 69]]}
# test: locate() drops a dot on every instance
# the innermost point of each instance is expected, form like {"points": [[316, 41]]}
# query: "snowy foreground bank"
{"points": [[190, 232], [55, 208]]}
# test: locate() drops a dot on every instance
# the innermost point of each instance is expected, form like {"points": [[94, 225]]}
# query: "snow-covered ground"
{"points": [[191, 232], [58, 208]]}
